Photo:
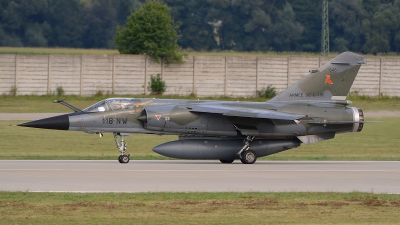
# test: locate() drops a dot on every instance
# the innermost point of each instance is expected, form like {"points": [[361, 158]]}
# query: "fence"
{"points": [[201, 75]]}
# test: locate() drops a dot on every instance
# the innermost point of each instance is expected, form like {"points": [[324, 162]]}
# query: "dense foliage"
{"points": [[368, 26], [151, 30], [62, 23], [157, 85]]}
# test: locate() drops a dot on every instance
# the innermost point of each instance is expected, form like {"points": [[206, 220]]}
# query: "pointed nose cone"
{"points": [[55, 123]]}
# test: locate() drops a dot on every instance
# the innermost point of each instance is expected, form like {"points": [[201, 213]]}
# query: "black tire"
{"points": [[124, 159], [119, 159], [227, 160], [248, 157]]}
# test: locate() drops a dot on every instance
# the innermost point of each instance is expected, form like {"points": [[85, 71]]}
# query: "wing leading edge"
{"points": [[246, 112]]}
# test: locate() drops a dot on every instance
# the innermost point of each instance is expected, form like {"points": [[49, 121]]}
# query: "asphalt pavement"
{"points": [[194, 176], [198, 176]]}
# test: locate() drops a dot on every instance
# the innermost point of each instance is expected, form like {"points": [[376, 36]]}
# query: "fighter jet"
{"points": [[312, 110]]}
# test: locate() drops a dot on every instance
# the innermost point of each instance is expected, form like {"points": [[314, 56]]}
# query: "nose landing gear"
{"points": [[124, 156]]}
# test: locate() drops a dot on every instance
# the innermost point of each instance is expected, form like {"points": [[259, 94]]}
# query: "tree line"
{"points": [[367, 26]]}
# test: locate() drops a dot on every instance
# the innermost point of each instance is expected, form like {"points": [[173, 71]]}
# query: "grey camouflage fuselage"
{"points": [[313, 109]]}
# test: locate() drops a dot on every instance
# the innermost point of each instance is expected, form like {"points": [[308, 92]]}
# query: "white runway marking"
{"points": [[294, 171]]}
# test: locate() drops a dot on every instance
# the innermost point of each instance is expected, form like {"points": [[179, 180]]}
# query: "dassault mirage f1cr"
{"points": [[312, 110]]}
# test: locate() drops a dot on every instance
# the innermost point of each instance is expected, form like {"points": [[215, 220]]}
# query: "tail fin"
{"points": [[331, 81]]}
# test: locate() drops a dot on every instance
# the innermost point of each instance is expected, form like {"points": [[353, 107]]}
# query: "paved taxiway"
{"points": [[198, 176]]}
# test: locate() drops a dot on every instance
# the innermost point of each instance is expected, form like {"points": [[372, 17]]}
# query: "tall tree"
{"points": [[102, 18], [308, 14], [222, 15], [249, 25], [100, 24], [197, 33], [23, 23], [382, 30], [285, 31], [124, 8], [151, 31], [370, 26], [67, 23], [345, 25]]}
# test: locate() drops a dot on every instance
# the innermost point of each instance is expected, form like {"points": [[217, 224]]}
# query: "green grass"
{"points": [[75, 51], [43, 103], [79, 51], [374, 105], [55, 51], [199, 208], [378, 141], [31, 143]]}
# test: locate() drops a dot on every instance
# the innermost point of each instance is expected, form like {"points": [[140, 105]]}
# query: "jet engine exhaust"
{"points": [[358, 116]]}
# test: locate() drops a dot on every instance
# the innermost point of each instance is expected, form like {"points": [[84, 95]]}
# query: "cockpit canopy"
{"points": [[111, 104]]}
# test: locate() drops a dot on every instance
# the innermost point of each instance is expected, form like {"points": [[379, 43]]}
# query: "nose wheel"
{"points": [[121, 146], [123, 158]]}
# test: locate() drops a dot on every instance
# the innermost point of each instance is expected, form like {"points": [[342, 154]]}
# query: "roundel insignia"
{"points": [[328, 79]]}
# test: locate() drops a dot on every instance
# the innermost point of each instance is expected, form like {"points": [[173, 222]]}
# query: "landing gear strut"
{"points": [[247, 156], [124, 156]]}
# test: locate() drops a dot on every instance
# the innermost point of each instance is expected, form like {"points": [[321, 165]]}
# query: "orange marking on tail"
{"points": [[328, 79]]}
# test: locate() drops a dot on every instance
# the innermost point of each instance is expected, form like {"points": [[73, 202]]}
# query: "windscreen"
{"points": [[112, 104], [121, 103], [98, 107]]}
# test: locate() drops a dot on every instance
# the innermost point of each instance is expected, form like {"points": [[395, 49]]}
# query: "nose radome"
{"points": [[55, 123]]}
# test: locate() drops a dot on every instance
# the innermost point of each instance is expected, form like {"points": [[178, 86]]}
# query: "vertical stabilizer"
{"points": [[331, 81]]}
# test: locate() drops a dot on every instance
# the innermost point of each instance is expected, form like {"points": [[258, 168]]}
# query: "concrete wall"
{"points": [[202, 75], [65, 72], [390, 77], [178, 78], [129, 74], [210, 76], [7, 73]]}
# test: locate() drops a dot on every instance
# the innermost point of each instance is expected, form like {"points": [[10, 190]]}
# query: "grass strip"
{"points": [[199, 208], [55, 51], [377, 141], [44, 104], [80, 51]]}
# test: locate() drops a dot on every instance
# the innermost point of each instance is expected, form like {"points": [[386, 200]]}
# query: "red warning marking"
{"points": [[328, 79], [158, 117]]}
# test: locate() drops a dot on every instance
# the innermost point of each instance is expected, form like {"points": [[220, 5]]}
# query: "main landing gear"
{"points": [[124, 157], [247, 156]]}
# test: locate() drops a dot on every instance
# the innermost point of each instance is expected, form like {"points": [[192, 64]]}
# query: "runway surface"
{"points": [[198, 176]]}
